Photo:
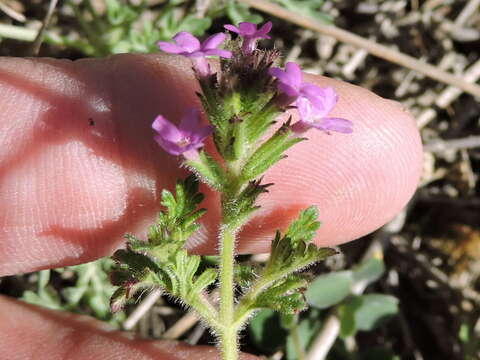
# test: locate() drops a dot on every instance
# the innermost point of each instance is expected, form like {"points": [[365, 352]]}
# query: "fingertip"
{"points": [[359, 181]]}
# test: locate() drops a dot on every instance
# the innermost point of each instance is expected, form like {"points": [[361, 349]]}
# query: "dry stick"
{"points": [[331, 328], [472, 74], [455, 144], [38, 40], [12, 13], [181, 326], [187, 321], [373, 48], [196, 334], [142, 309], [467, 11], [17, 32]]}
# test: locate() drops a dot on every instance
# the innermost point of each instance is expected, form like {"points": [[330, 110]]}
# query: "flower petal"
{"points": [[334, 124], [294, 74], [201, 134], [316, 96], [191, 127], [287, 89], [166, 129], [330, 99], [218, 52], [282, 76], [187, 41], [232, 28], [264, 30], [190, 121], [168, 146], [169, 47], [214, 41], [304, 107], [247, 28]]}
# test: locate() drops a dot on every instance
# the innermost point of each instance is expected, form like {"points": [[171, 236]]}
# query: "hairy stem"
{"points": [[228, 332], [205, 309]]}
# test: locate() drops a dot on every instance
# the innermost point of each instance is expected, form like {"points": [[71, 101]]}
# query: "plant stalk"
{"points": [[228, 332]]}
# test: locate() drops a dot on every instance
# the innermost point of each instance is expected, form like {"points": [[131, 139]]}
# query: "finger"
{"points": [[79, 167], [31, 332]]}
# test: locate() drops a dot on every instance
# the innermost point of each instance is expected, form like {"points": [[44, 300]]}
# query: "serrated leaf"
{"points": [[136, 263], [270, 152], [329, 289], [282, 297], [209, 170], [118, 300], [208, 277], [238, 212], [305, 227]]}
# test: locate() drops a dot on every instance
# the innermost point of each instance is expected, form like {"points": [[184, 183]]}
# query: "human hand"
{"points": [[79, 168]]}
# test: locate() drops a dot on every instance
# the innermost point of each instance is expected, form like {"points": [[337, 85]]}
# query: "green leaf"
{"points": [[266, 332], [305, 227], [196, 26], [288, 320], [45, 298], [282, 296], [366, 312], [238, 212], [43, 278], [329, 289], [244, 275], [374, 309], [369, 271], [238, 13], [379, 354], [289, 256], [270, 152], [311, 8], [209, 170]]}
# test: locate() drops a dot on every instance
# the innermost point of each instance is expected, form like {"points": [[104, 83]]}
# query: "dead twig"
{"points": [[39, 39], [456, 144], [142, 309], [181, 326], [372, 47], [471, 75], [12, 13]]}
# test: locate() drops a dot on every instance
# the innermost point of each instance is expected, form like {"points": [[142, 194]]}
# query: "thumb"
{"points": [[79, 167], [31, 332]]}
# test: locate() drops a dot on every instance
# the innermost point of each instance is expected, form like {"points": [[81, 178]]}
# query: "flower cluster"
{"points": [[313, 103]]}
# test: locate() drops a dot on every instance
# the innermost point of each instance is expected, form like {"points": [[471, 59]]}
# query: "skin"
{"points": [[79, 168]]}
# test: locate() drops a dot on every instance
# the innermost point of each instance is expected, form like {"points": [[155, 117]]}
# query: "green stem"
{"points": [[205, 309], [228, 333], [297, 343]]}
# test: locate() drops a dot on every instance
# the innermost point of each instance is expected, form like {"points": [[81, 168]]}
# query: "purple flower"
{"points": [[290, 84], [188, 45], [317, 117], [184, 139], [250, 34]]}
